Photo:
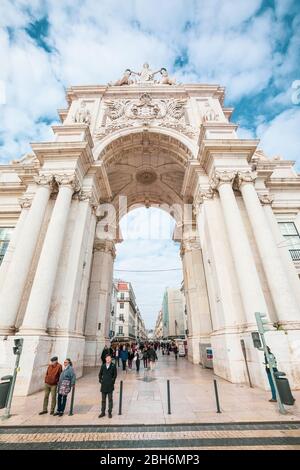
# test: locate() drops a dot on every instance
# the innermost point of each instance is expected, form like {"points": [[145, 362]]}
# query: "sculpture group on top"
{"points": [[145, 76]]}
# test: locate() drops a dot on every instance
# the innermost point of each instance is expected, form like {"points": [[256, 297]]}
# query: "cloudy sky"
{"points": [[250, 47]]}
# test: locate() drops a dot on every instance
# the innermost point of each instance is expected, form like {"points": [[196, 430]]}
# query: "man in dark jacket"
{"points": [[107, 378]]}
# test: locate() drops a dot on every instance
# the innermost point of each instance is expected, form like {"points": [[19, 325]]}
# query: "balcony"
{"points": [[295, 254]]}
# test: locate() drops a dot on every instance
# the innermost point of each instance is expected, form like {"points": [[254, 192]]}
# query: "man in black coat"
{"points": [[107, 378]]}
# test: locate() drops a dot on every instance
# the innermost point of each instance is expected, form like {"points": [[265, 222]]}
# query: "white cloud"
{"points": [[282, 135]]}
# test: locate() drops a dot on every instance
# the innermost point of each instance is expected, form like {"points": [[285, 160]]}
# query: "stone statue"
{"points": [[125, 80], [83, 115], [146, 75], [165, 79]]}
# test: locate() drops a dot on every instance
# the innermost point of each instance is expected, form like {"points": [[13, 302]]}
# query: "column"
{"points": [[15, 279], [36, 315], [282, 294], [25, 203], [248, 280], [66, 318], [199, 319], [98, 308]]}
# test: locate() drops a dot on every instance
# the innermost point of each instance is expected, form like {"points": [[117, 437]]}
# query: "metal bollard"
{"points": [[169, 397], [217, 396], [72, 401], [120, 397]]}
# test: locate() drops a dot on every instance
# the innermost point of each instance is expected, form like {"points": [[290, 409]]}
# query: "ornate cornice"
{"points": [[222, 177]]}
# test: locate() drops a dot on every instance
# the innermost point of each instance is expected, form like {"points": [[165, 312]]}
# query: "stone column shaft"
{"points": [[36, 315], [15, 279], [282, 295], [249, 283]]}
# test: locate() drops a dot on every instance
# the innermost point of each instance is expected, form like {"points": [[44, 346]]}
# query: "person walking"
{"points": [[145, 358], [107, 378], [137, 360], [152, 357], [130, 357], [124, 357], [51, 380], [268, 371], [117, 356], [66, 381], [175, 351]]}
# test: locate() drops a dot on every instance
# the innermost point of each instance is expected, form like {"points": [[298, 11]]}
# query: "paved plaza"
{"points": [[145, 400]]}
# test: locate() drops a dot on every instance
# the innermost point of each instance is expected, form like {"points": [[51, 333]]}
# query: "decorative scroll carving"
{"points": [[222, 177], [69, 180], [201, 196], [44, 179], [122, 113], [105, 246], [266, 199], [25, 201], [244, 177]]}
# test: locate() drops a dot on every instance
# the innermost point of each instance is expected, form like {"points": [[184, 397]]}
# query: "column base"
{"points": [[93, 350]]}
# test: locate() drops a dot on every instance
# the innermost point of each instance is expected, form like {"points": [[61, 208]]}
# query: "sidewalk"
{"points": [[145, 400]]}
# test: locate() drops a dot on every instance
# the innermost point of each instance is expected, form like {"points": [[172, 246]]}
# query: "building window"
{"points": [[121, 317], [291, 235], [5, 235], [121, 305], [120, 330], [122, 296]]}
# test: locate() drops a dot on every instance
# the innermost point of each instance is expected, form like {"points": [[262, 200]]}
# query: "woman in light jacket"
{"points": [[66, 381]]}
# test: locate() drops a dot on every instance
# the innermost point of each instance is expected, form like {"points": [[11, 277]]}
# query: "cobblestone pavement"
{"points": [[202, 436], [145, 400]]}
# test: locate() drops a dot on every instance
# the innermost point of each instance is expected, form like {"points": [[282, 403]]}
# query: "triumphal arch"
{"points": [[147, 140]]}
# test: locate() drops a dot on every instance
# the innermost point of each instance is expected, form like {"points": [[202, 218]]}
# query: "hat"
{"points": [[54, 358]]}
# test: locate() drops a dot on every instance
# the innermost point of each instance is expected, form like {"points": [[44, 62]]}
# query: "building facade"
{"points": [[173, 314], [129, 325], [153, 142], [158, 330]]}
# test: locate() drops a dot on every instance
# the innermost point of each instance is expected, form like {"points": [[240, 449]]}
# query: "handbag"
{"points": [[65, 387]]}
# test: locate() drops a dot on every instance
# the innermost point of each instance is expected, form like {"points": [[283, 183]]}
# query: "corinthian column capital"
{"points": [[246, 176], [44, 179], [189, 244], [25, 201], [222, 177], [69, 180], [105, 246], [201, 196], [266, 199]]}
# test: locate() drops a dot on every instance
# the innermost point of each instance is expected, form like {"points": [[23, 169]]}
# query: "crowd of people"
{"points": [[60, 379]]}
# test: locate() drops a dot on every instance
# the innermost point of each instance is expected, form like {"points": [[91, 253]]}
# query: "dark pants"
{"points": [[273, 391], [118, 361], [137, 363], [176, 357], [110, 402], [145, 361], [61, 403], [124, 364]]}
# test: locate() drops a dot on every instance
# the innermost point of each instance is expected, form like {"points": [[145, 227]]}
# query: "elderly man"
{"points": [[107, 378], [51, 381]]}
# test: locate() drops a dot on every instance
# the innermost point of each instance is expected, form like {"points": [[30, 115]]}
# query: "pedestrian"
{"points": [[124, 357], [130, 357], [117, 351], [145, 358], [107, 378], [137, 360], [66, 381], [51, 380], [105, 351], [152, 357], [175, 351], [268, 371]]}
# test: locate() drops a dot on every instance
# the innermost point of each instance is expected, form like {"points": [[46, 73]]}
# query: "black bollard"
{"points": [[217, 396], [72, 401], [120, 397], [169, 397]]}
